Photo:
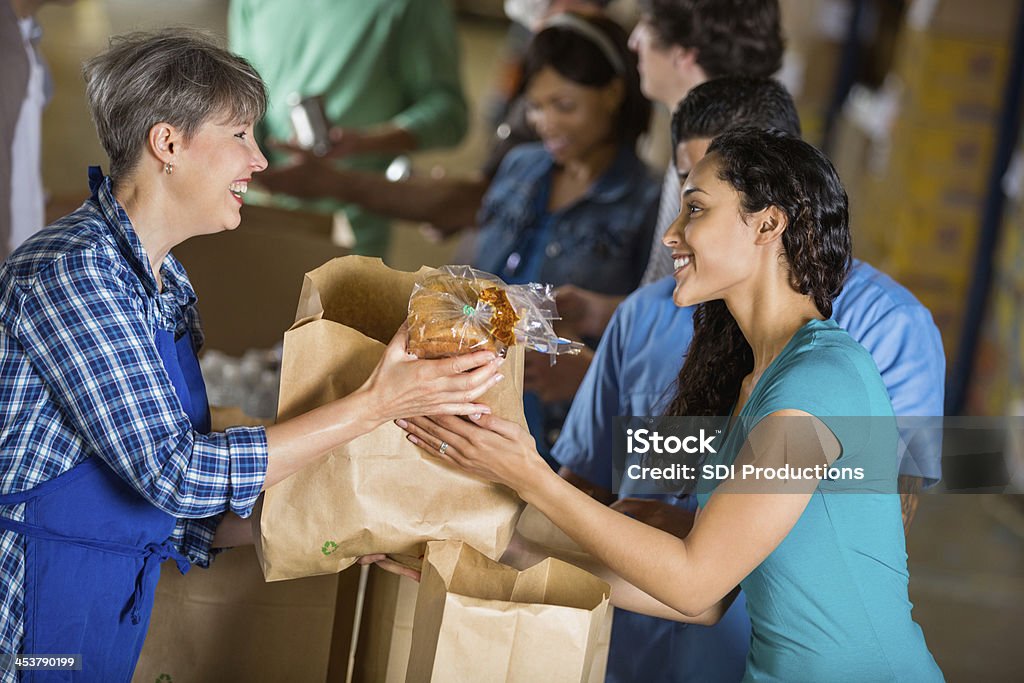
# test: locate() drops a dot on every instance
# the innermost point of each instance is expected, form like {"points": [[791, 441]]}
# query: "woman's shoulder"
{"points": [[627, 192], [523, 156], [824, 371], [519, 171], [824, 346], [77, 239], [630, 170]]}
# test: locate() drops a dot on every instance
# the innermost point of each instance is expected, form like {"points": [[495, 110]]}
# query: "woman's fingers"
{"points": [[423, 438], [398, 568], [460, 432], [476, 383], [457, 395], [436, 447], [451, 428], [464, 362], [456, 365], [434, 435], [451, 445], [400, 340], [461, 380], [501, 426], [389, 565]]}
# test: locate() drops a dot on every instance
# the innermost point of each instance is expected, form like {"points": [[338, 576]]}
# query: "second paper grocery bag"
{"points": [[378, 493], [478, 621]]}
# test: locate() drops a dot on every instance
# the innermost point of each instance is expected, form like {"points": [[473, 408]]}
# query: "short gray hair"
{"points": [[179, 76]]}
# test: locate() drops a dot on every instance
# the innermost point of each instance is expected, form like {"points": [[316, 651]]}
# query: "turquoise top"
{"points": [[830, 602]]}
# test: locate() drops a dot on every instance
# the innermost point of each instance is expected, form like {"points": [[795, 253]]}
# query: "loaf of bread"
{"points": [[450, 315]]}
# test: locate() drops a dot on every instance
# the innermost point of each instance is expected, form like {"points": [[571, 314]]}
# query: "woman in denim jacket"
{"points": [[579, 206]]}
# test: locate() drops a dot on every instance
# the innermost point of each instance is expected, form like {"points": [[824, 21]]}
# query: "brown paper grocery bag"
{"points": [[534, 525], [385, 638], [226, 623], [378, 493], [479, 621]]}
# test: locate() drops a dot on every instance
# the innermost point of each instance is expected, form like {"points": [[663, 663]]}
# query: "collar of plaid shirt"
{"points": [[176, 283]]}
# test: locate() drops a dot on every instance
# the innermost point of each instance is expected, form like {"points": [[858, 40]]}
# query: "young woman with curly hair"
{"points": [[763, 246]]}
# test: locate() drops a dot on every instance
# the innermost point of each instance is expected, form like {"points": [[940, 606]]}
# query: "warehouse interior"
{"points": [[919, 105]]}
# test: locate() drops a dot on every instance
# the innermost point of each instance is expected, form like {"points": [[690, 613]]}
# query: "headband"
{"points": [[584, 28]]}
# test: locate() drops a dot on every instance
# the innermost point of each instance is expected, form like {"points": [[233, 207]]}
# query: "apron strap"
{"points": [[153, 555], [95, 180], [156, 554], [37, 531], [70, 476]]}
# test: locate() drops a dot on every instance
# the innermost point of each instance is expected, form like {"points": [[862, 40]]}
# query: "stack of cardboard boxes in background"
{"points": [[997, 386], [917, 214]]}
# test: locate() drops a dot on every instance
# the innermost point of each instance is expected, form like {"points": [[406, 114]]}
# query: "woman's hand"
{"points": [[486, 446], [403, 386], [389, 565], [400, 386]]}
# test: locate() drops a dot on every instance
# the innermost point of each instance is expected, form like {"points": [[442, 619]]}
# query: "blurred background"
{"points": [[919, 105]]}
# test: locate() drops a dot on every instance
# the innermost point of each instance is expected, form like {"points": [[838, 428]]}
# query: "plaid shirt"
{"points": [[81, 377]]}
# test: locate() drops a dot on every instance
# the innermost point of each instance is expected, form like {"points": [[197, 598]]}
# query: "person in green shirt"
{"points": [[388, 72]]}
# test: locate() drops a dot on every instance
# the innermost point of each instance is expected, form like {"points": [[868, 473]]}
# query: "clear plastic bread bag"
{"points": [[460, 310]]}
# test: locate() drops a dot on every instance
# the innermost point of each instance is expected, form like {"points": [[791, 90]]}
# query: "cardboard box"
{"points": [[850, 155], [939, 244], [941, 148], [248, 280], [978, 104], [226, 624], [983, 19], [872, 217], [959, 188], [945, 62], [820, 65]]}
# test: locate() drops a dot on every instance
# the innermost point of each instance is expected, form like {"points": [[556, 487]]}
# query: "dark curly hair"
{"points": [[577, 58], [731, 36], [768, 168]]}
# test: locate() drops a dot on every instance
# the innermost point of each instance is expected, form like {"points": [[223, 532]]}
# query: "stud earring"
{"points": [[168, 168]]}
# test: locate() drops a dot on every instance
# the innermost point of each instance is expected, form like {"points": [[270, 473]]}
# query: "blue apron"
{"points": [[93, 549]]}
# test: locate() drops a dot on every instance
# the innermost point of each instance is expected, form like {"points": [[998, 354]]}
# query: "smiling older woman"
{"points": [[107, 466]]}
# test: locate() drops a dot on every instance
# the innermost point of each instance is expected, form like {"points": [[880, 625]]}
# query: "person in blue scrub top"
{"points": [[762, 248], [639, 359], [578, 206], [107, 463]]}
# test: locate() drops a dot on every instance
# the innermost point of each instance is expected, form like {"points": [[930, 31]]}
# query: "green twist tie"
{"points": [[468, 310]]}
